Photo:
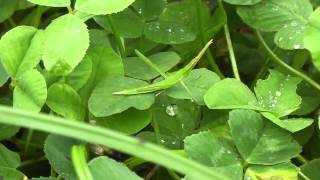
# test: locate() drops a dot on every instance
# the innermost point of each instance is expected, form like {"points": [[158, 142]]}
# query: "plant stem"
{"points": [[28, 140], [70, 10], [79, 161], [117, 36], [301, 159], [109, 138], [209, 56], [32, 161], [262, 71], [231, 53], [303, 176], [278, 61]]}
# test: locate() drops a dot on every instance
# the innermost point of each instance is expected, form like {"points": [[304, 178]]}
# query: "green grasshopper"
{"points": [[170, 80]]}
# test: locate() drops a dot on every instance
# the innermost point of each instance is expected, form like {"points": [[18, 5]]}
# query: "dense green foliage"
{"points": [[135, 89]]}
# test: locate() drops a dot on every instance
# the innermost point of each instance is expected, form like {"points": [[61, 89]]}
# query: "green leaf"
{"points": [[198, 82], [80, 75], [98, 7], [21, 49], [105, 62], [57, 150], [261, 142], [205, 148], [278, 93], [311, 37], [7, 8], [130, 121], [149, 9], [7, 131], [30, 91], [136, 68], [11, 173], [242, 2], [109, 138], [104, 103], [67, 40], [185, 12], [230, 94], [292, 124], [8, 158], [65, 101], [52, 3], [123, 21], [278, 15], [175, 119], [284, 171], [3, 75], [311, 169], [166, 32], [310, 99], [107, 168]]}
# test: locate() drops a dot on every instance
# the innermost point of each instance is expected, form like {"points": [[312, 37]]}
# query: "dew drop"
{"points": [[162, 141], [294, 23], [169, 30], [171, 110], [278, 93], [297, 46]]}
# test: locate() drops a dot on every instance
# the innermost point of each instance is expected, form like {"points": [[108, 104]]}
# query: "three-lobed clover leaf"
{"points": [[287, 19], [66, 42]]}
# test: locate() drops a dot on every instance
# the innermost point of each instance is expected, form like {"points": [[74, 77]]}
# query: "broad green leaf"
{"points": [[122, 22], [278, 93], [284, 171], [21, 49], [105, 62], [311, 37], [136, 68], [242, 2], [65, 101], [292, 124], [205, 148], [185, 13], [311, 169], [108, 138], [11, 173], [149, 9], [52, 3], [130, 121], [80, 75], [175, 119], [230, 94], [57, 150], [24, 4], [104, 167], [3, 75], [278, 15], [310, 99], [8, 158], [7, 131], [104, 103], [7, 8], [198, 82], [30, 91], [260, 142], [166, 32], [67, 40], [101, 7]]}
